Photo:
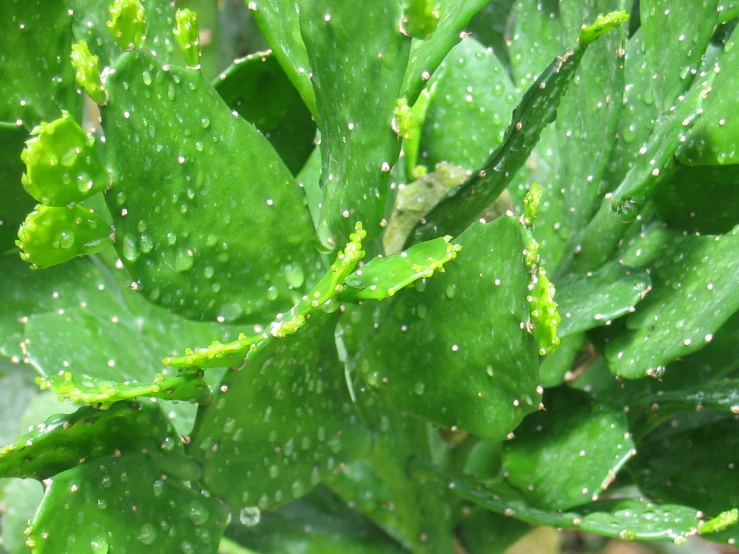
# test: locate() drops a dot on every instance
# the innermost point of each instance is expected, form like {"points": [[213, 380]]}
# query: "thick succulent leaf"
{"points": [[89, 18], [280, 24], [485, 532], [17, 390], [14, 201], [259, 90], [122, 504], [537, 109], [466, 328], [470, 108], [35, 71], [715, 140], [488, 26], [636, 116], [554, 367], [426, 55], [592, 443], [695, 292], [220, 267], [60, 442], [621, 518], [383, 277], [320, 523], [688, 200], [674, 40], [696, 467], [357, 84], [596, 298], [280, 422], [596, 90]]}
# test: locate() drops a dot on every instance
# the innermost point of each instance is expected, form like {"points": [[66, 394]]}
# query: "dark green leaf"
{"points": [[280, 422], [466, 329], [358, 144], [695, 291], [674, 40], [484, 532], [554, 367], [488, 26], [14, 201], [592, 444], [536, 39], [260, 91], [221, 267], [597, 298], [122, 504]]}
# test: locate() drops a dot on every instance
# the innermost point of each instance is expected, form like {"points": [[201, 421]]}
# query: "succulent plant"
{"points": [[414, 279]]}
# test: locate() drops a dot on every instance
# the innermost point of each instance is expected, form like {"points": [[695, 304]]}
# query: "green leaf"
{"points": [[597, 298], [554, 367], [126, 506], [470, 107], [420, 18], [51, 236], [14, 202], [488, 26], [87, 71], [127, 23], [259, 90], [485, 532], [37, 80], [62, 165], [358, 144], [674, 41], [60, 442], [592, 443], [17, 390], [536, 109], [695, 467], [220, 267], [620, 518], [383, 277], [426, 55], [466, 329], [695, 291], [687, 201], [280, 24], [280, 422], [334, 529], [21, 498], [187, 35]]}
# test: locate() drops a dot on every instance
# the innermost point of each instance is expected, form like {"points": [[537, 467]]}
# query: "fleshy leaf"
{"points": [[674, 41], [125, 505], [280, 422], [420, 18], [87, 68], [536, 109], [466, 328], [621, 518], [695, 291], [127, 23], [545, 317], [554, 368], [597, 298], [62, 165], [383, 277], [358, 144], [186, 33], [592, 443], [60, 442], [219, 268], [14, 202], [51, 236], [259, 90]]}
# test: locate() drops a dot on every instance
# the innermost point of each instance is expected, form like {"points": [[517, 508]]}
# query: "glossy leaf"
{"points": [[51, 236], [426, 55], [592, 443], [554, 368], [536, 109], [488, 26], [279, 423], [259, 90], [87, 71], [694, 293], [597, 298], [280, 24], [187, 35], [127, 23], [126, 506], [479, 371], [620, 518], [695, 467], [470, 107], [674, 41], [537, 38], [220, 268], [14, 201], [383, 277], [358, 145], [485, 532], [62, 165], [59, 443]]}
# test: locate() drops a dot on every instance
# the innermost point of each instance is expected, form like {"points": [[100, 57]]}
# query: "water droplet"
{"points": [[419, 388], [130, 248], [451, 290], [147, 534], [272, 293], [197, 513], [147, 77], [99, 545], [183, 260], [250, 516], [294, 275]]}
